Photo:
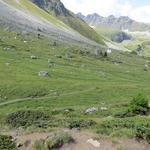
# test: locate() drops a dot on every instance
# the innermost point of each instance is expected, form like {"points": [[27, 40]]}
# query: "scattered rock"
{"points": [[95, 143], [50, 62], [34, 57], [91, 110], [19, 145], [146, 67], [109, 50], [7, 48], [103, 108], [43, 74]]}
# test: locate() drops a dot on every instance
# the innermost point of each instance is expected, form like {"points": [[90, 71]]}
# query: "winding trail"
{"points": [[43, 97]]}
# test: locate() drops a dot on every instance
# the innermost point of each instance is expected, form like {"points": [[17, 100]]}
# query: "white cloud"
{"points": [[108, 7]]}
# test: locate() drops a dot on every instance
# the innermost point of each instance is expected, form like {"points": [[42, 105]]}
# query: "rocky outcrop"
{"points": [[54, 6]]}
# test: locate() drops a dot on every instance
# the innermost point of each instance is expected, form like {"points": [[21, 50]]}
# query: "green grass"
{"points": [[77, 83]]}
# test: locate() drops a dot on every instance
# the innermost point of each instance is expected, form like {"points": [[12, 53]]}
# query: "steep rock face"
{"points": [[57, 8], [54, 6], [121, 23]]}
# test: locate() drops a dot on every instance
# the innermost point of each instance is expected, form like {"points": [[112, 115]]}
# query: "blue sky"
{"points": [[136, 9]]}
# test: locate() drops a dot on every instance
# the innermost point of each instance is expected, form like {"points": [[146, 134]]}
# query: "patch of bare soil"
{"points": [[82, 142]]}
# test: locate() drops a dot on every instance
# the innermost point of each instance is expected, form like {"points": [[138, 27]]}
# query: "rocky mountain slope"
{"points": [[121, 23], [26, 17], [57, 9]]}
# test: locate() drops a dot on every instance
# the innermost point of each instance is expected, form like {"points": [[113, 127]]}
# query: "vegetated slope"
{"points": [[121, 23], [57, 8], [26, 17], [76, 80], [81, 74]]}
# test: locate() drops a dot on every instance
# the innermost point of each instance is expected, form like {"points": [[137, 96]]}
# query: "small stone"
{"points": [[91, 110], [7, 49], [103, 108], [95, 143], [19, 145], [34, 57], [43, 74]]}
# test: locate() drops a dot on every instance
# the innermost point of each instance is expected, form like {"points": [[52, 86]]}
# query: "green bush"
{"points": [[142, 132], [107, 127], [81, 123], [139, 105], [54, 142], [124, 113], [7, 143], [25, 118], [58, 141]]}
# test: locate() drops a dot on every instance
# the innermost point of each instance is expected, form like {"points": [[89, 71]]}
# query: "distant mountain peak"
{"points": [[121, 23], [111, 16]]}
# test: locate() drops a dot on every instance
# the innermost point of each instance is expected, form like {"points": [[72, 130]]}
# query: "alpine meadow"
{"points": [[71, 81]]}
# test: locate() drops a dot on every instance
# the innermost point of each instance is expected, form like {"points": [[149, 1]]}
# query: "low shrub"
{"points": [[7, 143], [25, 118], [139, 105], [142, 132], [54, 142], [81, 123], [107, 127], [58, 141], [124, 113]]}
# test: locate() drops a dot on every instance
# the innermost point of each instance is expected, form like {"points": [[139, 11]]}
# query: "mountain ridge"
{"points": [[121, 23]]}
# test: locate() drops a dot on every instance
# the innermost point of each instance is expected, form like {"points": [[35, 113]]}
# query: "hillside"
{"points": [[61, 90], [26, 17], [76, 80], [57, 9]]}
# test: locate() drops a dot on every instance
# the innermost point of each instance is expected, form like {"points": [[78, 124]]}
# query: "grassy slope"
{"points": [[98, 81], [82, 27], [79, 83], [107, 34]]}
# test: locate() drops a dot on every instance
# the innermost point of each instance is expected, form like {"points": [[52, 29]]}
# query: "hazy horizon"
{"points": [[135, 9]]}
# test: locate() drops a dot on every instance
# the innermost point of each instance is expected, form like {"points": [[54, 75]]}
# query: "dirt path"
{"points": [[43, 97], [81, 143]]}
